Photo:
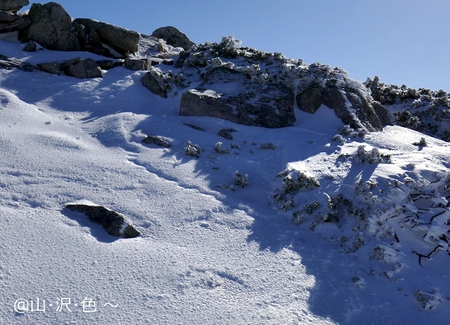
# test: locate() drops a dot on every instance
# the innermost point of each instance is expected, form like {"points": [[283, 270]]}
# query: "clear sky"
{"points": [[401, 41]]}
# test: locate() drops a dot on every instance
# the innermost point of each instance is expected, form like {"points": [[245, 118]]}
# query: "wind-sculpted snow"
{"points": [[317, 223]]}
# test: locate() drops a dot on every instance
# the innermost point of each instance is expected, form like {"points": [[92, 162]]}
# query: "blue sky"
{"points": [[401, 41]]}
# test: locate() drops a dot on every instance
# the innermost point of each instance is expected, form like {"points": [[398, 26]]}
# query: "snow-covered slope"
{"points": [[214, 249]]}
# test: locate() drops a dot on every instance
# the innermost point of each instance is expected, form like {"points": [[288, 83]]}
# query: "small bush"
{"points": [[192, 149], [421, 143], [218, 148], [295, 180], [240, 180]]}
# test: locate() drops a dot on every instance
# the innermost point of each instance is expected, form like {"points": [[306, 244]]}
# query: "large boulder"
{"points": [[173, 37], [353, 106], [121, 40], [114, 223], [13, 5], [84, 69], [231, 95], [50, 26], [152, 81]]}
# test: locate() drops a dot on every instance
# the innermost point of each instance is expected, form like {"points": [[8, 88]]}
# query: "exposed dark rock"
{"points": [[111, 221], [152, 139], [51, 27], [311, 99], [70, 62], [363, 112], [109, 64], [150, 82], [9, 64], [30, 47], [232, 95], [84, 69], [122, 40], [13, 5], [226, 133], [138, 64], [195, 127], [12, 23], [173, 37], [51, 67]]}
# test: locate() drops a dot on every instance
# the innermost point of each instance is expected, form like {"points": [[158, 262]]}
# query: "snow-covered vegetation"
{"points": [[316, 223]]}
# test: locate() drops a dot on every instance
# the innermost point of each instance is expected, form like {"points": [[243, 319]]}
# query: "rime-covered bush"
{"points": [[421, 143], [192, 150], [294, 180], [218, 148], [372, 156], [240, 180]]}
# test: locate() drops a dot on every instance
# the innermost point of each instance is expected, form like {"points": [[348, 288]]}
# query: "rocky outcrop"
{"points": [[50, 26], [10, 63], [137, 64], [13, 5], [152, 83], [121, 40], [157, 141], [112, 222], [75, 67], [173, 37], [12, 23], [87, 68], [352, 106], [231, 95]]}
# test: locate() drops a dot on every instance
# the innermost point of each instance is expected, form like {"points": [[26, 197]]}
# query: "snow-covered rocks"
{"points": [[114, 223], [231, 95]]}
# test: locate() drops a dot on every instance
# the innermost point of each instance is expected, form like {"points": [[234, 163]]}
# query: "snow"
{"points": [[211, 252]]}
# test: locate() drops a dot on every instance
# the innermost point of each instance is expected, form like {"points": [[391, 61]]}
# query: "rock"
{"points": [[67, 63], [109, 64], [30, 47], [353, 106], [13, 5], [111, 221], [51, 27], [51, 67], [152, 139], [231, 95], [122, 40], [226, 133], [173, 37], [9, 64], [195, 127], [138, 64], [150, 82], [310, 100], [87, 68], [12, 23]]}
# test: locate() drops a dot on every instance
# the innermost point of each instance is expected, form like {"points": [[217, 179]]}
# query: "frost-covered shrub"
{"points": [[300, 216], [227, 48], [268, 146], [240, 180], [192, 149], [217, 63], [347, 130], [405, 119], [295, 180], [338, 138], [428, 300], [218, 148], [421, 143], [372, 157]]}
